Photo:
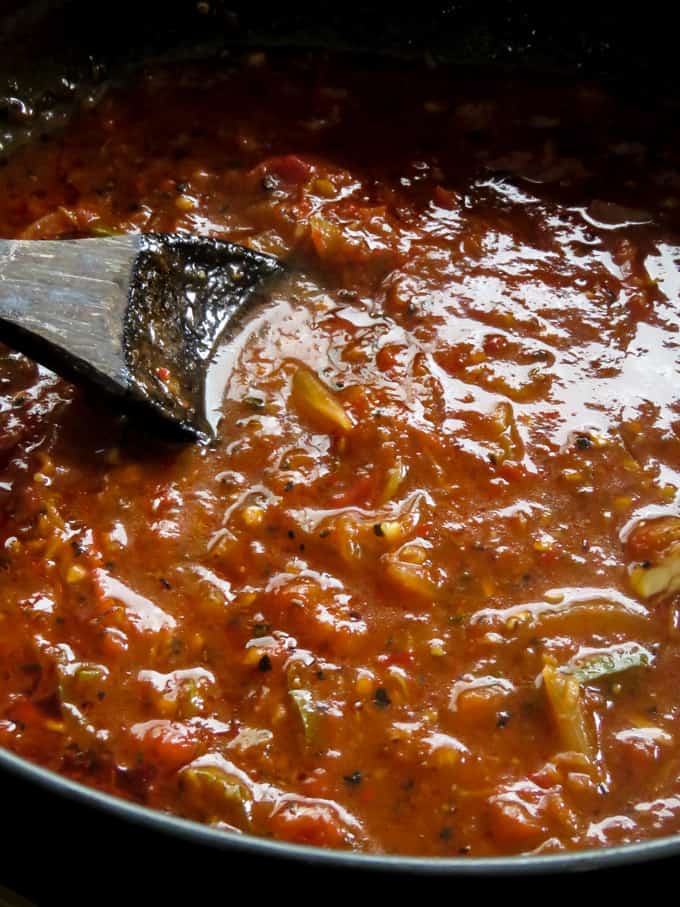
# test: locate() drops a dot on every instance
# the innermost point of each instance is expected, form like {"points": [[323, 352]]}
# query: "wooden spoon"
{"points": [[137, 315]]}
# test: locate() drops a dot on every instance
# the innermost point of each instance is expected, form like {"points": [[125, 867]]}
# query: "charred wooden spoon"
{"points": [[139, 316]]}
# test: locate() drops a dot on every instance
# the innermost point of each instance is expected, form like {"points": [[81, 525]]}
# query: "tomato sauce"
{"points": [[421, 594]]}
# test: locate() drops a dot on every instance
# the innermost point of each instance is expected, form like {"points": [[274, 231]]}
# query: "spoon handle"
{"points": [[63, 303]]}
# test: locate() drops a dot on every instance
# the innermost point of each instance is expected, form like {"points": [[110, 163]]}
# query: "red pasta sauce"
{"points": [[421, 593]]}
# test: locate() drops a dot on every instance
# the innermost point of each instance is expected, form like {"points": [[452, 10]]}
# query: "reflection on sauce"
{"points": [[141, 612]]}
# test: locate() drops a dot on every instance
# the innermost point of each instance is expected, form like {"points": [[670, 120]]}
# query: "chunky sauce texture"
{"points": [[421, 595]]}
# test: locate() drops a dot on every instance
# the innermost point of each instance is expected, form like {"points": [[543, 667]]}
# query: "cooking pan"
{"points": [[53, 52]]}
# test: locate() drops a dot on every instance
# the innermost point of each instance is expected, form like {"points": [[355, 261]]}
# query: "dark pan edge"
{"points": [[194, 832]]}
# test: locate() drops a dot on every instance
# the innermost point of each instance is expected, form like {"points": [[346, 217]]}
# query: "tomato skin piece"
{"points": [[27, 713], [445, 198], [314, 824], [357, 493], [401, 659], [511, 471], [495, 345], [169, 744], [290, 168], [511, 824], [391, 357]]}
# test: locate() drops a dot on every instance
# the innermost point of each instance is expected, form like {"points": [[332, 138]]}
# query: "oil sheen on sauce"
{"points": [[421, 594]]}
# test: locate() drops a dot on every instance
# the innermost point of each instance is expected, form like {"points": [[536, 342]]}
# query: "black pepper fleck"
{"points": [[381, 698], [502, 720], [353, 778]]}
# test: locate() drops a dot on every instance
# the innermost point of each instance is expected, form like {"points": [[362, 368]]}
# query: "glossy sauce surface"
{"points": [[421, 594]]}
